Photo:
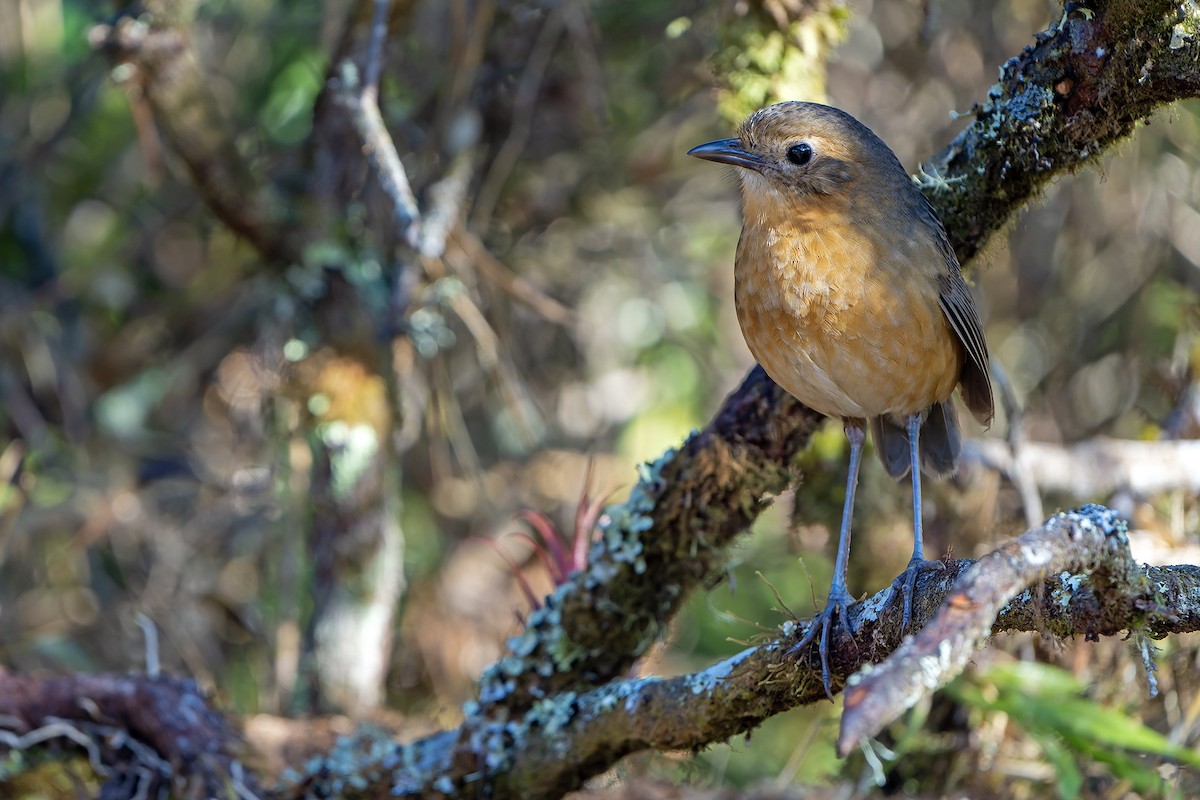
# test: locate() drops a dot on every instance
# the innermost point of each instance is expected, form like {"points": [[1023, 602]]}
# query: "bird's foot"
{"points": [[908, 583], [836, 607]]}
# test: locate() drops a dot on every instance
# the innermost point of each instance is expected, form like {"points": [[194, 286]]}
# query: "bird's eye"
{"points": [[800, 154]]}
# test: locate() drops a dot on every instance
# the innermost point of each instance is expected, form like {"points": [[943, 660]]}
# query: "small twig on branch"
{"points": [[1027, 488]]}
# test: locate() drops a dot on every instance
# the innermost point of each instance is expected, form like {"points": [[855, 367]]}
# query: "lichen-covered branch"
{"points": [[693, 500], [1081, 87], [690, 503], [654, 549], [1072, 576], [1092, 588], [1092, 539]]}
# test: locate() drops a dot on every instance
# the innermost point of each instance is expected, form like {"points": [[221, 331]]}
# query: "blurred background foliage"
{"points": [[153, 458]]}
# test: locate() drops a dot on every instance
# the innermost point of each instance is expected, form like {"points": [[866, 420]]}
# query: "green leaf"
{"points": [[1070, 778]]}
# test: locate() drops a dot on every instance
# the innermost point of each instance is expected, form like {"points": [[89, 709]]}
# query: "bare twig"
{"points": [[374, 66], [470, 49], [362, 101], [522, 123], [150, 631], [495, 361], [519, 288], [1017, 472]]}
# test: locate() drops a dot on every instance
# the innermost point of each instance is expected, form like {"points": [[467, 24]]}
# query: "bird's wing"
{"points": [[975, 381], [959, 307]]}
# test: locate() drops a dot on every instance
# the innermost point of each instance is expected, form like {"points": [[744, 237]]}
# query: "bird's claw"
{"points": [[836, 607], [908, 584]]}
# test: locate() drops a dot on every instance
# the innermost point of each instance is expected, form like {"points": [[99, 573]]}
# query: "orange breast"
{"points": [[848, 325]]}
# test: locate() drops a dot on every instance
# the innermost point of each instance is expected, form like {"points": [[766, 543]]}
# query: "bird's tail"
{"points": [[940, 442]]}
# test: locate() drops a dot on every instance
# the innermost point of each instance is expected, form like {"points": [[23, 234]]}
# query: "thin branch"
{"points": [[522, 116], [379, 149], [1031, 500], [374, 66], [520, 288]]}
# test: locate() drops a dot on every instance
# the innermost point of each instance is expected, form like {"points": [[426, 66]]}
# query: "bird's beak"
{"points": [[727, 151]]}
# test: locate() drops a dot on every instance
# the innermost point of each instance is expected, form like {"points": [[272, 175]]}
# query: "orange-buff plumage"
{"points": [[850, 297]]}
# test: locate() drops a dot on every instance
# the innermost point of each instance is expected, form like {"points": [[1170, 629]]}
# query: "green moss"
{"points": [[761, 63]]}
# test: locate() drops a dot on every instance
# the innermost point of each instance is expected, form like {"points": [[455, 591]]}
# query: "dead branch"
{"points": [[1097, 467], [140, 732]]}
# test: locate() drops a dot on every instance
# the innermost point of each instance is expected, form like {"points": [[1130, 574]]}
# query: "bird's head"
{"points": [[805, 155]]}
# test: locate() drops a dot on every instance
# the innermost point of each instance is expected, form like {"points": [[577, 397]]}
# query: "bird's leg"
{"points": [[839, 597], [914, 458], [909, 576]]}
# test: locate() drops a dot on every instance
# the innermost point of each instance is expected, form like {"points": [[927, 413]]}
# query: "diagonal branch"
{"points": [[360, 94], [160, 61], [1082, 86]]}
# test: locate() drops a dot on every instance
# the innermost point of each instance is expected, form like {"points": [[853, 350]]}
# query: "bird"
{"points": [[849, 295]]}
